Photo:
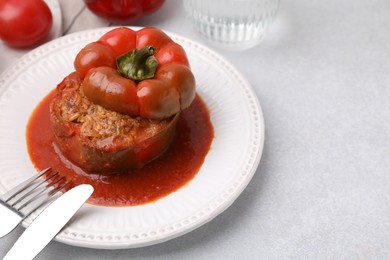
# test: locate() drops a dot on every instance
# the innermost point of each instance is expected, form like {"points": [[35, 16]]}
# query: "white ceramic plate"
{"points": [[10, 55], [228, 168]]}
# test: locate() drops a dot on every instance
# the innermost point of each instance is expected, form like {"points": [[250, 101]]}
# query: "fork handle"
{"points": [[10, 218]]}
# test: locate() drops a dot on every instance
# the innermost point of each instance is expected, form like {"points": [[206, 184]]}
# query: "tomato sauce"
{"points": [[168, 173]]}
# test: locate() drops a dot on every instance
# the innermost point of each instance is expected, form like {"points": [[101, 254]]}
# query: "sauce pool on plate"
{"points": [[159, 178]]}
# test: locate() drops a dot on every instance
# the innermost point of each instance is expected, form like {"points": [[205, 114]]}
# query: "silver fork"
{"points": [[21, 201]]}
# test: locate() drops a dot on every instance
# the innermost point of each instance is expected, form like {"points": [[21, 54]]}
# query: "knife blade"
{"points": [[46, 226]]}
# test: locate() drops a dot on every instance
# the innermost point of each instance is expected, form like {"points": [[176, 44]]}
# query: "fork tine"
{"points": [[34, 190], [54, 191], [28, 196], [42, 199], [37, 193], [9, 195]]}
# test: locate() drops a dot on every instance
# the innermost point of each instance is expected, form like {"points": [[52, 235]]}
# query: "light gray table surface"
{"points": [[322, 189]]}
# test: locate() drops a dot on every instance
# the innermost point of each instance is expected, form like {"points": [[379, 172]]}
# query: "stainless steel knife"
{"points": [[46, 226]]}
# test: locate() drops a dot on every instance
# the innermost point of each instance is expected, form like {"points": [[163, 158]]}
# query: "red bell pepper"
{"points": [[139, 73]]}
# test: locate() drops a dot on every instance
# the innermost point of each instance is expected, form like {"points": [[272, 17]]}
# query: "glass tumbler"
{"points": [[232, 24]]}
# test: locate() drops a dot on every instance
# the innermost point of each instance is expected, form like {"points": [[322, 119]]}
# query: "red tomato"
{"points": [[123, 11], [24, 23]]}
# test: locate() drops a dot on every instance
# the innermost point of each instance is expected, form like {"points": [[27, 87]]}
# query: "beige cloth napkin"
{"points": [[77, 17]]}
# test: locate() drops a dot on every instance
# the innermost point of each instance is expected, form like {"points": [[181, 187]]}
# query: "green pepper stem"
{"points": [[138, 64]]}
